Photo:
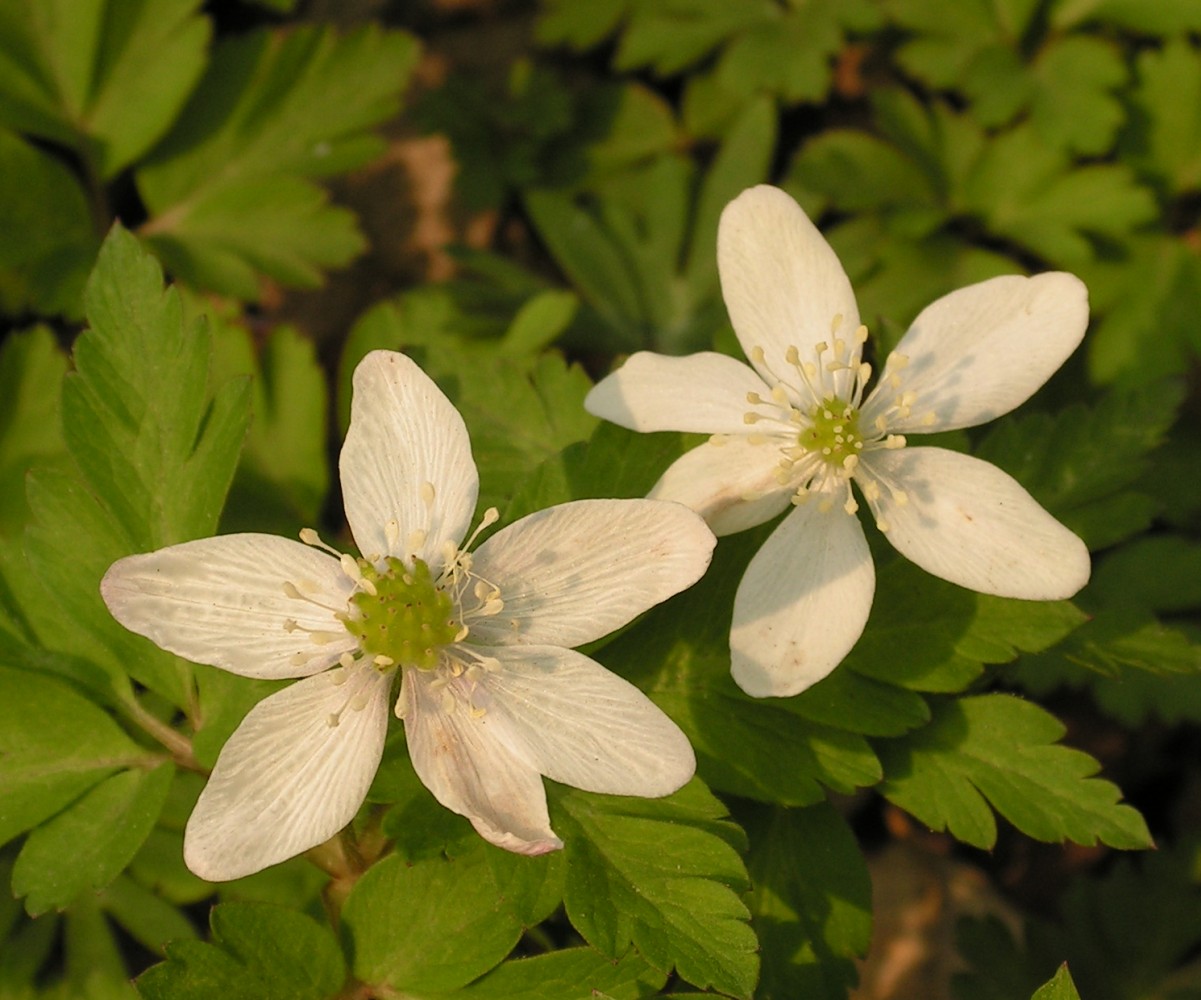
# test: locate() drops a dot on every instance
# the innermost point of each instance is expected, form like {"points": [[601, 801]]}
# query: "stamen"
{"points": [[310, 537], [427, 493]]}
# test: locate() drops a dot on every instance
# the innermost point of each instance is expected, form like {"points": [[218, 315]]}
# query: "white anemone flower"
{"points": [[795, 427], [491, 694]]}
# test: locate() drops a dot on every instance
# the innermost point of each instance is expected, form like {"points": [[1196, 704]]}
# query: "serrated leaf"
{"points": [[31, 371], [258, 951], [443, 899], [661, 875], [811, 904], [1000, 751], [87, 845], [75, 72], [49, 245], [1146, 301], [137, 416], [1027, 191], [228, 189], [1085, 463], [54, 745], [568, 974]]}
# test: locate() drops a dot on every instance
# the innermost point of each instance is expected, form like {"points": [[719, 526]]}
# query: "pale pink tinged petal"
{"points": [[782, 283], [407, 460], [982, 350], [470, 763], [802, 603], [704, 393], [225, 601], [968, 522], [583, 725], [288, 779], [730, 482], [573, 573]]}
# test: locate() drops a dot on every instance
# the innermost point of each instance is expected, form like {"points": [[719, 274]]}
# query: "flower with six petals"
{"points": [[797, 428], [491, 693]]}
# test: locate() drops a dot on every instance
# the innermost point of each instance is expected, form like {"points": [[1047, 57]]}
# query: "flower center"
{"points": [[403, 617], [833, 432]]}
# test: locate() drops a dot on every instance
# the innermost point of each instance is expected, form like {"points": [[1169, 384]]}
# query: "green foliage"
{"points": [[74, 72], [664, 876], [811, 903], [997, 750], [257, 950], [444, 899], [229, 188]]}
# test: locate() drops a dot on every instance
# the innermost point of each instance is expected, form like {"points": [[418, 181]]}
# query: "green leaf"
{"points": [[69, 547], [1146, 299], [998, 750], [1166, 17], [137, 415], [1026, 191], [811, 904], [87, 845], [54, 745], [228, 188], [76, 71], [258, 952], [661, 875], [1060, 987], [283, 476], [50, 245], [443, 899], [1086, 464], [31, 371], [568, 974]]}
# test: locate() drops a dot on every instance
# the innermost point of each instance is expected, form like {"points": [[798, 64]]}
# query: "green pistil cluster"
{"points": [[408, 619], [834, 433]]}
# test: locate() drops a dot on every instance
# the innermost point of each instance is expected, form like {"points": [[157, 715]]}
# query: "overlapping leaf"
{"points": [[229, 187]]}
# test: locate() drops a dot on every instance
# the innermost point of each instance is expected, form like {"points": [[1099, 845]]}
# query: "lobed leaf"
{"points": [[997, 750], [661, 875]]}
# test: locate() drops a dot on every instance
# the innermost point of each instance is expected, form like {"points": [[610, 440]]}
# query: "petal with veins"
{"points": [[730, 482], [471, 764], [782, 283], [968, 522], [802, 603], [287, 779], [705, 393], [584, 726], [982, 350], [222, 601], [573, 573], [406, 459]]}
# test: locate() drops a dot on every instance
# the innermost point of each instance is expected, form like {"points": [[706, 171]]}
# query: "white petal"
{"points": [[406, 459], [287, 780], [968, 522], [221, 601], [704, 393], [584, 726], [984, 349], [802, 603], [782, 283], [730, 482], [573, 573], [470, 765]]}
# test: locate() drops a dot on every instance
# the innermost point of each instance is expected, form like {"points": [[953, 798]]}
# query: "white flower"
{"points": [[796, 428], [491, 695]]}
